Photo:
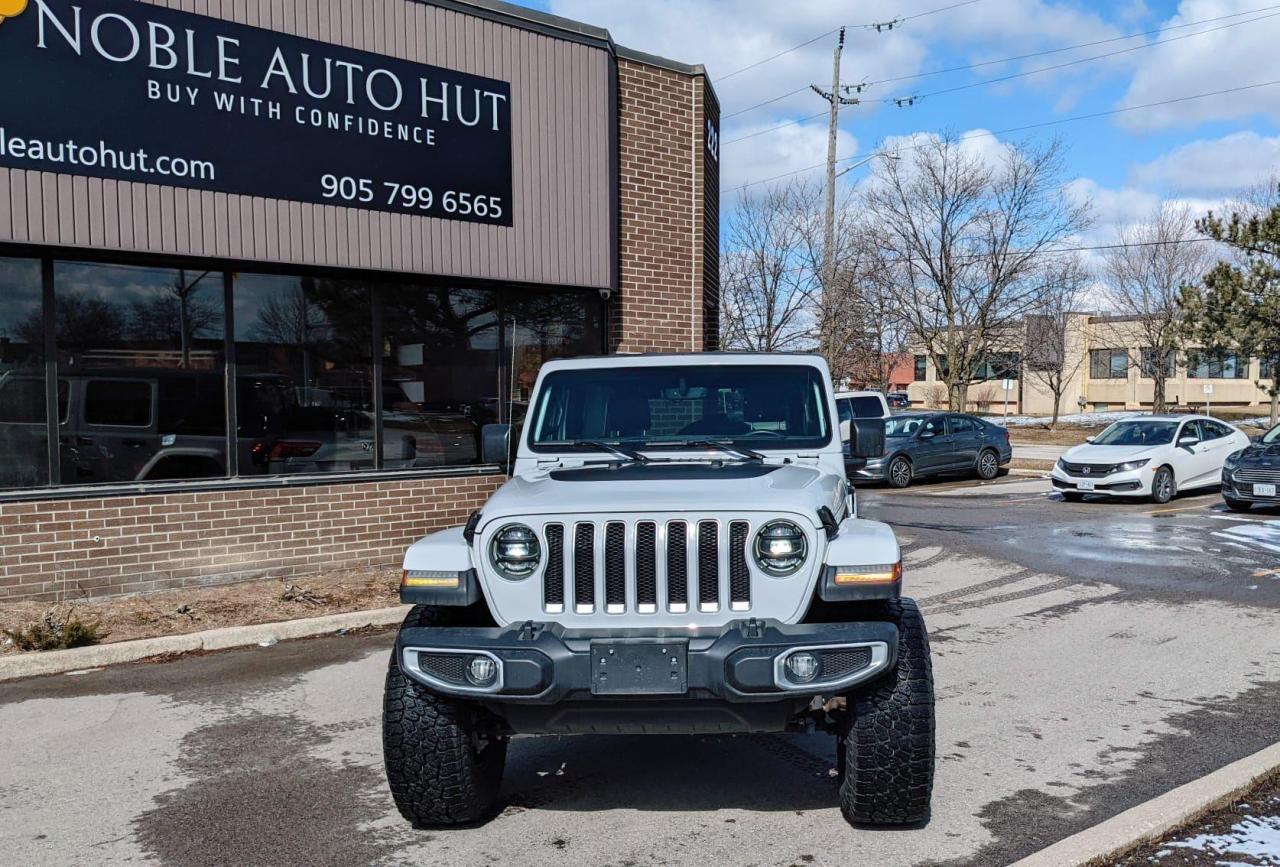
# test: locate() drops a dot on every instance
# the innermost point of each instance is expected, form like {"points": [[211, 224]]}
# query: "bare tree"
{"points": [[1145, 274], [961, 238], [1047, 359], [764, 279]]}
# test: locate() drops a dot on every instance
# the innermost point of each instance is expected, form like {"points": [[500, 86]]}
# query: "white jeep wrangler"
{"points": [[677, 550]]}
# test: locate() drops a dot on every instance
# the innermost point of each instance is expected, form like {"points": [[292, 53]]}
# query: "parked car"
{"points": [[678, 551], [921, 444], [861, 404], [1154, 456], [898, 399], [1252, 475]]}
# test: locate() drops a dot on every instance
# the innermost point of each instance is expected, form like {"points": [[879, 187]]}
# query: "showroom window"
{"points": [[141, 359], [304, 375], [24, 452], [333, 374], [1108, 364]]}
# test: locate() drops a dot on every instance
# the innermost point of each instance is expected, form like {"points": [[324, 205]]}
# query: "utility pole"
{"points": [[829, 216]]}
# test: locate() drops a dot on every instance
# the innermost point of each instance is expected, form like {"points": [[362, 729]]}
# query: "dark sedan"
{"points": [[1252, 475], [921, 444]]}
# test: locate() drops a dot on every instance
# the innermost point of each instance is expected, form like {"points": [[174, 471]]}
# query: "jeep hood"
{"points": [[667, 488]]}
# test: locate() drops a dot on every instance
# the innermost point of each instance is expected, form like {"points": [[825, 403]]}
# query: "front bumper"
{"points": [[1245, 491], [1131, 483], [545, 664], [873, 471]]}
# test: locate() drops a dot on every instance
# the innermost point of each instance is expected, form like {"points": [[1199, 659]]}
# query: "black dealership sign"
{"points": [[129, 90]]}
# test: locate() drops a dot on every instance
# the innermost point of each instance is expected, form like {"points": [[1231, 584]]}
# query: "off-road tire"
{"points": [[1073, 496], [887, 741], [1160, 492], [988, 464], [1237, 505], [443, 757], [904, 474]]}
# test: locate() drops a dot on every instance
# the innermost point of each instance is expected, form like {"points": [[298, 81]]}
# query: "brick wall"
{"points": [[69, 549], [661, 173]]}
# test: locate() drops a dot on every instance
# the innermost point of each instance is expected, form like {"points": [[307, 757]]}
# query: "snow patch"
{"points": [[1252, 837]]}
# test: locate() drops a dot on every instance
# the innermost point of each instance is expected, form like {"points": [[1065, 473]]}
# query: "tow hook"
{"points": [[753, 629]]}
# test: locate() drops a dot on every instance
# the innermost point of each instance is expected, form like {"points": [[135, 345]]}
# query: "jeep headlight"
{"points": [[1127, 466], [515, 551], [780, 548]]}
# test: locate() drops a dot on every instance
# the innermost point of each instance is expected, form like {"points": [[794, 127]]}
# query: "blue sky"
{"points": [[1202, 151]]}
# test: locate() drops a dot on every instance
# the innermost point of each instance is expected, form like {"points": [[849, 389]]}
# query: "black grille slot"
{"points": [[739, 575], [553, 578], [615, 566], [446, 667], [708, 564], [646, 563], [1087, 469], [838, 663], [584, 565], [677, 563]]}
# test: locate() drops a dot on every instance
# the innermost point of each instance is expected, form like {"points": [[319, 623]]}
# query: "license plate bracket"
{"points": [[1264, 490], [626, 667], [1085, 485]]}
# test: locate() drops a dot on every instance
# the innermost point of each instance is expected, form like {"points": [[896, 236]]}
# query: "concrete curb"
{"points": [[61, 661], [1149, 822]]}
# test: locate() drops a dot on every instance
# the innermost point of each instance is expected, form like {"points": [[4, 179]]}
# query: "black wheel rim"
{"points": [[900, 472]]}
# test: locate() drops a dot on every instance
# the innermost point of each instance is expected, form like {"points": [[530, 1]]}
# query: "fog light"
{"points": [[482, 670], [803, 667]]}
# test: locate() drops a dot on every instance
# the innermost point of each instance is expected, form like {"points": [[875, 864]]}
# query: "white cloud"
{"points": [[787, 150], [1210, 62], [1225, 165]]}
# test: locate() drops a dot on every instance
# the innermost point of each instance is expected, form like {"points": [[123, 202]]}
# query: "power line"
{"points": [[773, 128], [1049, 51], [919, 96], [912, 99], [877, 25], [1041, 125]]}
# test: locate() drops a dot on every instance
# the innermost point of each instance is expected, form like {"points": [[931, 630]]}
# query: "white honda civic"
{"points": [[1153, 456]]}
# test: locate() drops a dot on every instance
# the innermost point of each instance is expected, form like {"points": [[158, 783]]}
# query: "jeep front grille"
{"points": [[616, 570]]}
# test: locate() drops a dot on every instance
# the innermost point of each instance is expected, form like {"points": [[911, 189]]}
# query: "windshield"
{"points": [[759, 406], [1137, 433], [902, 425], [1272, 436]]}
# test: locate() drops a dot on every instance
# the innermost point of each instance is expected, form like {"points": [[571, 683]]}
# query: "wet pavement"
{"points": [[1088, 656]]}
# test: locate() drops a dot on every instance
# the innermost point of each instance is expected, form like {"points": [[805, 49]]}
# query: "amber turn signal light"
{"points": [[890, 573]]}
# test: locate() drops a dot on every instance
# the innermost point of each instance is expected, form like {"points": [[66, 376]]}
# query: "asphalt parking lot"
{"points": [[1087, 656]]}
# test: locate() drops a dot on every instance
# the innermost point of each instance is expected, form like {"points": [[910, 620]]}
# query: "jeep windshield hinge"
{"points": [[469, 531]]}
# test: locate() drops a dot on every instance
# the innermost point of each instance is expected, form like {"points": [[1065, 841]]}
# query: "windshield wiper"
{"points": [[737, 451], [630, 455]]}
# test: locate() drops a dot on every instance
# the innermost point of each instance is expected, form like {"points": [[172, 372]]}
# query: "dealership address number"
{"points": [[410, 197]]}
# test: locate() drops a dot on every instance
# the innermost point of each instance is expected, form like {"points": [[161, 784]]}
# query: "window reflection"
{"points": [[141, 373], [440, 379], [24, 454], [304, 391]]}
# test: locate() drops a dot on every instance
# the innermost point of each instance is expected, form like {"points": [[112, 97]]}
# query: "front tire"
{"points": [[1237, 505], [988, 465], [900, 473], [886, 744], [444, 758], [1163, 486]]}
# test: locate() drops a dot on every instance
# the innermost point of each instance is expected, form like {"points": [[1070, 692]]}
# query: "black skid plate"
{"points": [[639, 667]]}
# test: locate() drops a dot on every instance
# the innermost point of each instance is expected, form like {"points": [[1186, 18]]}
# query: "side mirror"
{"points": [[927, 434], [495, 444], [1187, 441], [845, 434], [866, 437]]}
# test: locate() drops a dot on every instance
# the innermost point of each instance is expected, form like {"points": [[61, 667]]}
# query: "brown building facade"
{"points": [[266, 270]]}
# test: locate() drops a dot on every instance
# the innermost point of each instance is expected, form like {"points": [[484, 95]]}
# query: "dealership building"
{"points": [[266, 269]]}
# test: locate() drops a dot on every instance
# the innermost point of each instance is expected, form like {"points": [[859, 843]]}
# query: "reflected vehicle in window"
{"points": [[922, 444], [1153, 457]]}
